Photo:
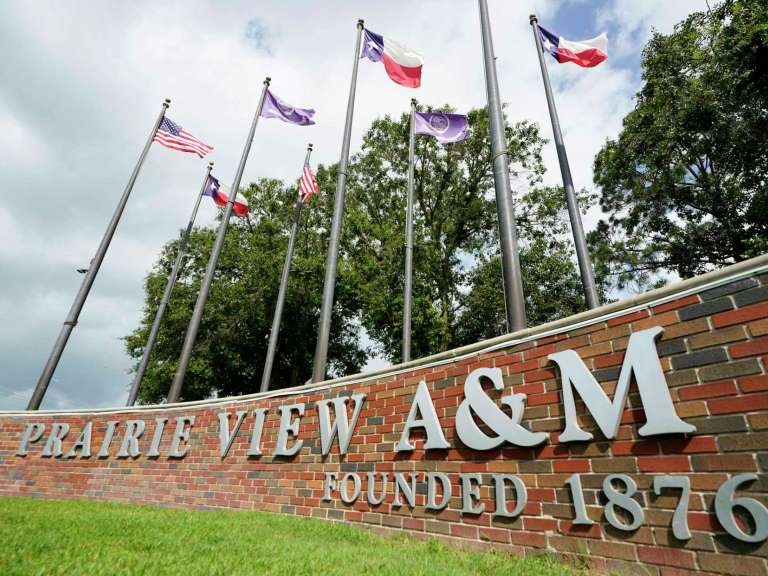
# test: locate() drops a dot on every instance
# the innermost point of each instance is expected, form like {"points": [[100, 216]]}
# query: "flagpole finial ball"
{"points": [[309, 147], [267, 80], [210, 164], [360, 23], [167, 102], [533, 19], [413, 102]]}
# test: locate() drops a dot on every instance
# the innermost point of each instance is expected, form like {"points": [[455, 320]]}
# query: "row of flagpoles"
{"points": [[404, 67]]}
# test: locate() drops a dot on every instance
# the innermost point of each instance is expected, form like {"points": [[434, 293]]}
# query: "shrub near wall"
{"points": [[470, 446]]}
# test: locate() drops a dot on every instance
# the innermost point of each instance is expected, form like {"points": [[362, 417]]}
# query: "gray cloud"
{"points": [[258, 36]]}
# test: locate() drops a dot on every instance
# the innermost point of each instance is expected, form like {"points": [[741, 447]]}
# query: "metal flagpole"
{"points": [[510, 259], [166, 296], [408, 290], [90, 276], [205, 285], [283, 286], [326, 309], [582, 253]]}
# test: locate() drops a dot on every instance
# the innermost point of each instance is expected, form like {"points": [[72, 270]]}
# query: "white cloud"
{"points": [[86, 80]]}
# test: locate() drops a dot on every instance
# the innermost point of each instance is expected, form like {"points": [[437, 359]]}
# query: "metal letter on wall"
{"points": [[255, 448], [289, 427], [130, 445], [181, 435], [32, 433], [59, 431], [642, 359], [432, 479], [422, 404], [157, 437], [225, 436], [507, 429], [341, 425], [83, 443]]}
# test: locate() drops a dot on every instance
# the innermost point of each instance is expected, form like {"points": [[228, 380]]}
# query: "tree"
{"points": [[231, 345], [685, 181], [458, 292]]}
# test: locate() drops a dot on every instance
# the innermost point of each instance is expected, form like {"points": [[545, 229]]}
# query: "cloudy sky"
{"points": [[83, 81]]}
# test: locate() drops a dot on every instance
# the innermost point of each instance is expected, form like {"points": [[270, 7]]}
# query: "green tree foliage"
{"points": [[231, 345], [458, 293], [685, 181]]}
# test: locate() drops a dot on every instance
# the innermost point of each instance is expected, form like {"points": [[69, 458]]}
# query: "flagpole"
{"points": [[205, 285], [166, 295], [283, 287], [408, 290], [90, 275], [326, 308], [580, 241], [510, 258]]}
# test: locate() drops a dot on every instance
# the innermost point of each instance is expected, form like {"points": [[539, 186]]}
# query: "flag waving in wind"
{"points": [[584, 53], [275, 108], [173, 136], [401, 63], [220, 195], [308, 186], [446, 128]]}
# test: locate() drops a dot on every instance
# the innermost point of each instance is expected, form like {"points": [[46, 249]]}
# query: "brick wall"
{"points": [[713, 352]]}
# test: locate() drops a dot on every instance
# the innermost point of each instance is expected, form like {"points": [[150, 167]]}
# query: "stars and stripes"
{"points": [[308, 185], [173, 136]]}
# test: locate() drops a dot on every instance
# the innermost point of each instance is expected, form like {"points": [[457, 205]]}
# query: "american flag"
{"points": [[171, 135], [308, 184]]}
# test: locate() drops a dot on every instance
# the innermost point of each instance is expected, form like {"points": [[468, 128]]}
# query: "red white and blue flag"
{"points": [[173, 136], [584, 53], [402, 64], [220, 194], [308, 186]]}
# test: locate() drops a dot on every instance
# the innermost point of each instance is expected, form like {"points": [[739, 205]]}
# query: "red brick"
{"points": [[494, 534], [539, 524], [689, 445], [536, 375], [609, 360], [740, 315], [464, 531], [634, 447], [507, 359], [749, 348], [548, 398], [533, 539], [747, 403], [753, 383], [413, 524], [663, 464], [628, 318], [538, 352], [523, 366], [570, 466], [711, 390], [675, 304], [666, 556], [703, 521]]}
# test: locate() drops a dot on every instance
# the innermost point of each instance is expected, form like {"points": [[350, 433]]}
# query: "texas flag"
{"points": [[401, 63], [585, 53], [220, 195]]}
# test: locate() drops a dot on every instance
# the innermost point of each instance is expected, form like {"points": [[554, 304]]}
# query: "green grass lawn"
{"points": [[82, 537]]}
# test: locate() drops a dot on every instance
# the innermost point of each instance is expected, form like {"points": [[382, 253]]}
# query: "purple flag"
{"points": [[447, 128], [276, 108]]}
